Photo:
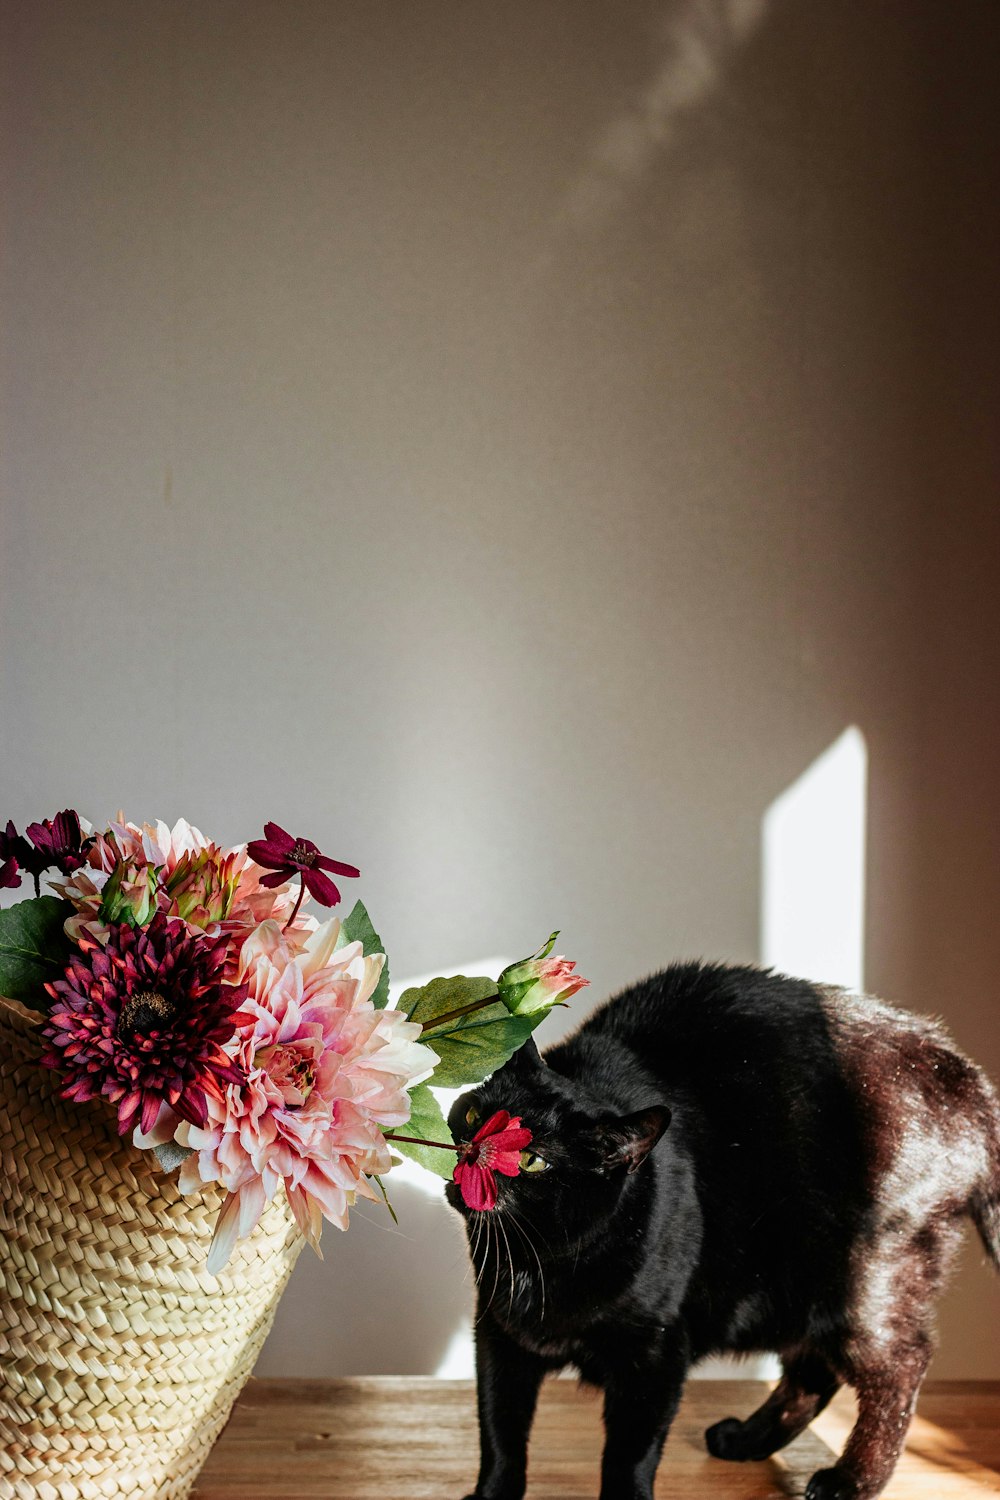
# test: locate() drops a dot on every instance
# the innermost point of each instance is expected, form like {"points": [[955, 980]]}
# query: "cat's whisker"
{"points": [[523, 1232], [492, 1241], [510, 1262], [475, 1239], [483, 1234]]}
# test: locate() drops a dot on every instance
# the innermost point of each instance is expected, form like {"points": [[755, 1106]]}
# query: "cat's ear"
{"points": [[628, 1141], [526, 1058]]}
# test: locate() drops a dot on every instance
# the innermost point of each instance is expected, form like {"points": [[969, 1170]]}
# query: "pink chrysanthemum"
{"points": [[141, 1020], [325, 1071]]}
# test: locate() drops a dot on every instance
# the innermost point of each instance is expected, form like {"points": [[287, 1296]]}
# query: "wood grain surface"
{"points": [[402, 1438]]}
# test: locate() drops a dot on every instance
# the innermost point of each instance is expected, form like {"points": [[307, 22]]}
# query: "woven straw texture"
{"points": [[120, 1358]]}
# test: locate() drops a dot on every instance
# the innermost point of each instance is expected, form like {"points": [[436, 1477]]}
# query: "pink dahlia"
{"points": [[324, 1073], [142, 1020]]}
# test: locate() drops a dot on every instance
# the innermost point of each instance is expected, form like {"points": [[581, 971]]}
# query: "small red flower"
{"points": [[495, 1147], [15, 851], [57, 841], [289, 857]]}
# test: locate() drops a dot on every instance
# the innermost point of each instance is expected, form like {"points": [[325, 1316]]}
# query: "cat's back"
{"points": [[841, 1084], [705, 1026]]}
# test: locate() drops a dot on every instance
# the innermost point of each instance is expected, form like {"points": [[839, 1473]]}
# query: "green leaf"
{"points": [[33, 948], [427, 1120], [357, 928], [439, 998], [385, 1195], [473, 1046]]}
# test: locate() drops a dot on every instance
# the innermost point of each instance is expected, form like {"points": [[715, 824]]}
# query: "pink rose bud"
{"points": [[538, 983]]}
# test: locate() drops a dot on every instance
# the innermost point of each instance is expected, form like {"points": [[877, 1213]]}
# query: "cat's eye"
{"points": [[529, 1162], [472, 1116]]}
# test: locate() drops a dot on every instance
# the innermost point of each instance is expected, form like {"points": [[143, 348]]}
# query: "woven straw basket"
{"points": [[120, 1358]]}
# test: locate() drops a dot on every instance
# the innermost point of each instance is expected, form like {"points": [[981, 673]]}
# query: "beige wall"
{"points": [[509, 443]]}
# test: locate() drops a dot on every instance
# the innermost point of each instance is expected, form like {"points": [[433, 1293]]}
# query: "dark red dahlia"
{"points": [[289, 857], [142, 1021]]}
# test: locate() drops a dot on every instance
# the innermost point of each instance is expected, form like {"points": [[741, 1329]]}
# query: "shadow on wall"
{"points": [[411, 1284]]}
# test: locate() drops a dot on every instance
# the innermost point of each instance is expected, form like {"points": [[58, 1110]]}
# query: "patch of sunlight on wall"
{"points": [[813, 874], [458, 1361]]}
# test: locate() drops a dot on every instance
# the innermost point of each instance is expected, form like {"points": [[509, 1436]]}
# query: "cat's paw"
{"points": [[832, 1484], [727, 1439]]}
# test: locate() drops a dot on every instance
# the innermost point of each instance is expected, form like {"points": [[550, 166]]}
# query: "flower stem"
{"points": [[415, 1140], [463, 1010], [295, 908]]}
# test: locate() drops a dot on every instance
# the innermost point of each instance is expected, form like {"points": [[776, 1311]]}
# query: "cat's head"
{"points": [[580, 1155]]}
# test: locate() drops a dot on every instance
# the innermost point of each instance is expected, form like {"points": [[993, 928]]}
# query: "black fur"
{"points": [[751, 1223]]}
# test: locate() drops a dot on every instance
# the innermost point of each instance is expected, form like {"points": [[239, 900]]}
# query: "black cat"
{"points": [[807, 1198]]}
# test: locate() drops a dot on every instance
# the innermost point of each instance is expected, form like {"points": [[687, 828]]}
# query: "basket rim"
{"points": [[17, 1011]]}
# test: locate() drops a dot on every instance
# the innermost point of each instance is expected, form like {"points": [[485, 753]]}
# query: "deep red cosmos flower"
{"points": [[10, 864], [60, 841], [18, 857], [289, 857], [495, 1147], [141, 1020], [54, 842]]}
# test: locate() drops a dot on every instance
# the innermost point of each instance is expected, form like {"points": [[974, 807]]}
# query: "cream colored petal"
{"points": [[320, 946]]}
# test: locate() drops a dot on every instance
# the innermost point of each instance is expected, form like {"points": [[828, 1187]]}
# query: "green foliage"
{"points": [[469, 1046], [426, 1120], [33, 948], [442, 996], [385, 1195], [357, 928], [474, 1046]]}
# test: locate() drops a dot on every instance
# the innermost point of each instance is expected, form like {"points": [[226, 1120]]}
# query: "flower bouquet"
{"points": [[195, 1073]]}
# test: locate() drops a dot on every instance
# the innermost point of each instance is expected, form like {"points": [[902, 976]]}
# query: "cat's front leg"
{"points": [[642, 1392], [508, 1379]]}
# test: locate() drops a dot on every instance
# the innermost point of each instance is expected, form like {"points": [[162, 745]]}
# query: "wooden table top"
{"points": [[407, 1438]]}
